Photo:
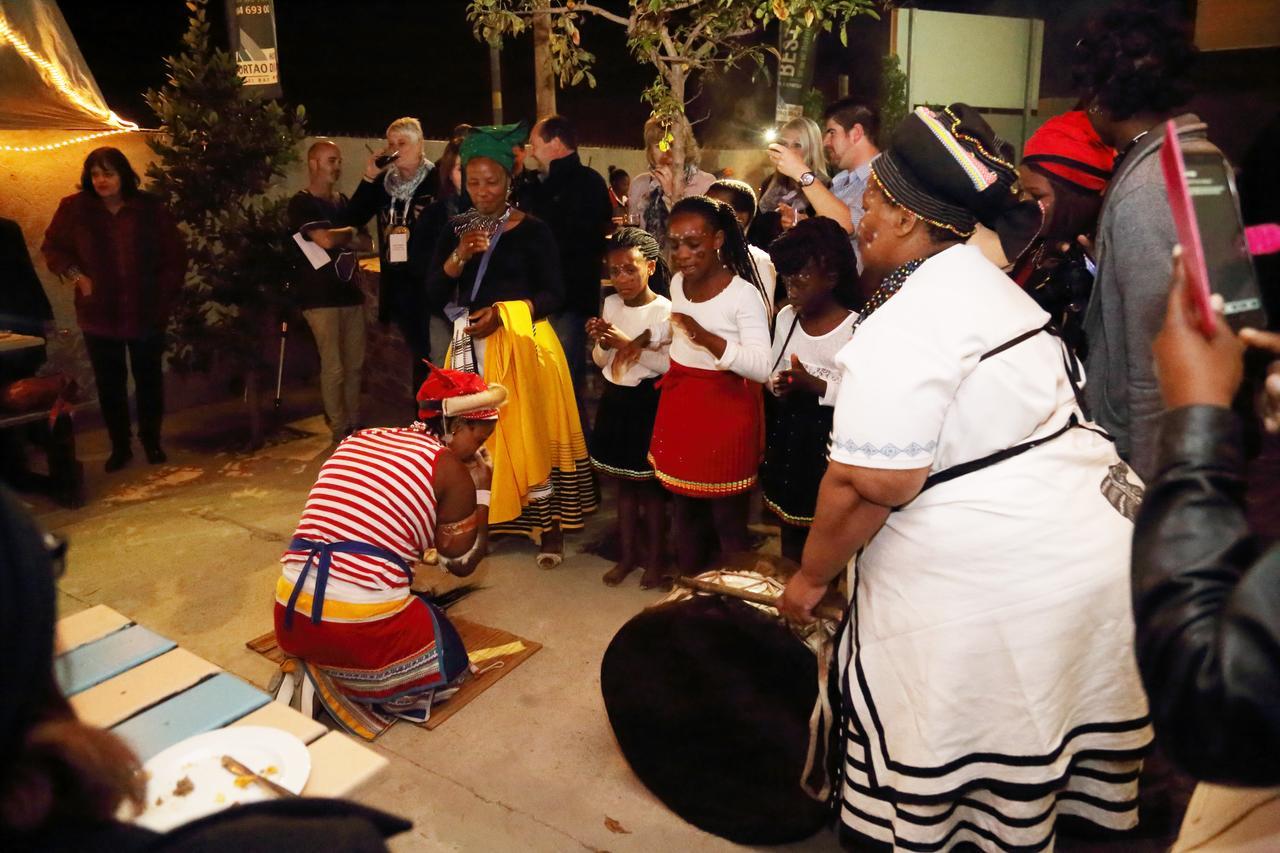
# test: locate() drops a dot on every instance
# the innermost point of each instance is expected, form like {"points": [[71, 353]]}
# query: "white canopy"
{"points": [[44, 81]]}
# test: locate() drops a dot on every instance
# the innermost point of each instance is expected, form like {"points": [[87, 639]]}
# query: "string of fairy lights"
{"points": [[59, 80]]}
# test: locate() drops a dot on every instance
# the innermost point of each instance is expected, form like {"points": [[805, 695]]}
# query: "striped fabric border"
{"points": [[793, 520], [1099, 782], [1100, 791], [574, 496], [624, 473], [708, 490]]}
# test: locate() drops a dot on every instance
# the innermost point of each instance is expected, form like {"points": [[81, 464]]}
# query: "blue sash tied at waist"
{"points": [[321, 555]]}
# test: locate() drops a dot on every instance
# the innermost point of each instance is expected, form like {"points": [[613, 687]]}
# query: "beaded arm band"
{"points": [[458, 528]]}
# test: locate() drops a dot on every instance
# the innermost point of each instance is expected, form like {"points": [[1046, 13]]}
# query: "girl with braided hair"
{"points": [[624, 422], [707, 434]]}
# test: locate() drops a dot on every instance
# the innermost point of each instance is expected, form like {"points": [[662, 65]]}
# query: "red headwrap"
{"points": [[1067, 147], [471, 396]]}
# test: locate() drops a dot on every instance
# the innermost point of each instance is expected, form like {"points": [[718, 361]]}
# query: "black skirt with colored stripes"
{"points": [[797, 432], [624, 426]]}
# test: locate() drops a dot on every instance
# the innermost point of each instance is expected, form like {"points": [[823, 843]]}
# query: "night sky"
{"points": [[356, 66], [359, 65]]}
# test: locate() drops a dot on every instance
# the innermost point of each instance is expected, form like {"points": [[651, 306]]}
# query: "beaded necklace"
{"points": [[891, 284]]}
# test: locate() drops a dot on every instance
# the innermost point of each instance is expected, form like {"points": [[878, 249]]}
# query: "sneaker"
{"points": [[117, 460]]}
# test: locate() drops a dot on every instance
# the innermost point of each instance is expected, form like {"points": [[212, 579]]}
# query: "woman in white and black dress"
{"points": [[987, 668]]}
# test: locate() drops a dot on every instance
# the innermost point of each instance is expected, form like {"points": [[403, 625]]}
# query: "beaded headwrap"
{"points": [[458, 393], [496, 142], [950, 169]]}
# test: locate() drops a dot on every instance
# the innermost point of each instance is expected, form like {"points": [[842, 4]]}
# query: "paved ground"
{"points": [[190, 549]]}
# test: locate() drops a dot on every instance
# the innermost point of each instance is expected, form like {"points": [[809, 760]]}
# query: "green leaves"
{"points": [[678, 37], [222, 152]]}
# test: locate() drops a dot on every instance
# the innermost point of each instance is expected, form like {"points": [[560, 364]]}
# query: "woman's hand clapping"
{"points": [[796, 378]]}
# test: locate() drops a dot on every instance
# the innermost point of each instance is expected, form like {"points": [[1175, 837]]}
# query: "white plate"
{"points": [[273, 753]]}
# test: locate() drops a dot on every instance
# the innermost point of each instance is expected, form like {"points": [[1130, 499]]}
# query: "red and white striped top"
{"points": [[377, 487]]}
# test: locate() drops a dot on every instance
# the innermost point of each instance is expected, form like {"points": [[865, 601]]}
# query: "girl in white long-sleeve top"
{"points": [[624, 422], [706, 443]]}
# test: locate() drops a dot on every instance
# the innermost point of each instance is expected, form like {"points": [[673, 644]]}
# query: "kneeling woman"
{"points": [[707, 434], [497, 277], [344, 603], [987, 664]]}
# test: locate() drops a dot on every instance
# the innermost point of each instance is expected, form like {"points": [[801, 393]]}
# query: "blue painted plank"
{"points": [[209, 705], [93, 663]]}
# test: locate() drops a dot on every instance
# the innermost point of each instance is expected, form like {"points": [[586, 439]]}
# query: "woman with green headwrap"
{"points": [[497, 275]]}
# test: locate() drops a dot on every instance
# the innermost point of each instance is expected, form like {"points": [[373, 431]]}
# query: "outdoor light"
{"points": [[64, 143], [59, 80]]}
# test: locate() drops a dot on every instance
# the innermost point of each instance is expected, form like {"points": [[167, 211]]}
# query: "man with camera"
{"points": [[849, 141]]}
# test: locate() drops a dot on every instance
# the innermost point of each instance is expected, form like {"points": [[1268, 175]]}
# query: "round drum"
{"points": [[710, 699]]}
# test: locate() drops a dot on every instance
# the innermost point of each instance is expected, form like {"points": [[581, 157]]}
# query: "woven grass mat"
{"points": [[475, 637]]}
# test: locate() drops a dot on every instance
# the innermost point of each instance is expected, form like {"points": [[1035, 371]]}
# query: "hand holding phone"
{"points": [[1206, 214]]}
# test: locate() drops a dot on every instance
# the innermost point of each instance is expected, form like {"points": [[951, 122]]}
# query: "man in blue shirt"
{"points": [[849, 141]]}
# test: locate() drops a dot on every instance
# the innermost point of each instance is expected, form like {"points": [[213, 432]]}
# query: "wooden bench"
{"points": [[65, 480], [154, 694]]}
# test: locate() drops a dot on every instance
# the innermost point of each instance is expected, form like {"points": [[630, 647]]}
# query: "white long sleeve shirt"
{"points": [[737, 314], [817, 354], [765, 269], [632, 322]]}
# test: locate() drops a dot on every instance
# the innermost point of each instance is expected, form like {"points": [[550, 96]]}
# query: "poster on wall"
{"points": [[252, 29], [795, 68]]}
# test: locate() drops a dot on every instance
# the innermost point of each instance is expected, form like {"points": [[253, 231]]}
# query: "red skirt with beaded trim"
{"points": [[707, 436]]}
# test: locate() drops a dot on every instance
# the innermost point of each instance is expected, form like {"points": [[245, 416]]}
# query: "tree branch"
{"points": [[582, 7], [693, 35], [672, 54]]}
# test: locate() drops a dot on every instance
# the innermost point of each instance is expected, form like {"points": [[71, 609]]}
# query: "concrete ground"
{"points": [[190, 549]]}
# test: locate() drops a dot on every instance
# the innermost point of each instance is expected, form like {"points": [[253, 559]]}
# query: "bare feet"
{"points": [[655, 578], [618, 573]]}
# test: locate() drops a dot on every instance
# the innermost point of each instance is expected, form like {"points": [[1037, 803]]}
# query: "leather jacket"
{"points": [[1206, 595]]}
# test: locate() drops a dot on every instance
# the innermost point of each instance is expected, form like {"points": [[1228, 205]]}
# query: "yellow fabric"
{"points": [[482, 655], [538, 429], [335, 610]]}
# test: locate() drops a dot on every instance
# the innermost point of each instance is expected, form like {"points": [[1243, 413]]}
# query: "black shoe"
{"points": [[155, 455], [117, 460]]}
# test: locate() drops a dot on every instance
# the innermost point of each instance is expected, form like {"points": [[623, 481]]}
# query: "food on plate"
{"points": [[184, 787]]}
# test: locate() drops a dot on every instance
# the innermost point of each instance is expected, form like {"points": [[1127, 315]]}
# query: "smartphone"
{"points": [[1206, 212]]}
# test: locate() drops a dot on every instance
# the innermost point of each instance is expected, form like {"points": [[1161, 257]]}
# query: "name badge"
{"points": [[398, 247]]}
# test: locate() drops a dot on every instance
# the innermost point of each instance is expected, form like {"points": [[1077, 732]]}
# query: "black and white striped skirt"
{"points": [[993, 800]]}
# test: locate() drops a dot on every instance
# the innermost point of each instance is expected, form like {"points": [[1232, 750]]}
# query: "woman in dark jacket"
{"points": [[1065, 168], [451, 199], [398, 193], [122, 252], [1206, 588], [497, 276]]}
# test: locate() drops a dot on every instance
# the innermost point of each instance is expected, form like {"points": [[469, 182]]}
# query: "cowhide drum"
{"points": [[711, 700]]}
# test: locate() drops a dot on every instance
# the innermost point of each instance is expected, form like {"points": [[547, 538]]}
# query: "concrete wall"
{"points": [[32, 184], [749, 165]]}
